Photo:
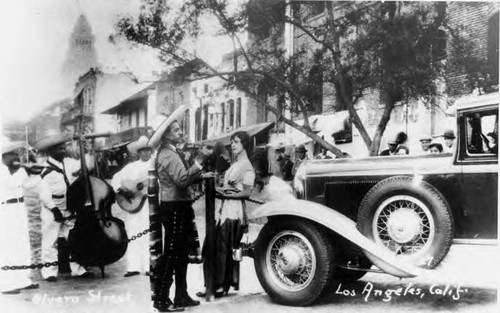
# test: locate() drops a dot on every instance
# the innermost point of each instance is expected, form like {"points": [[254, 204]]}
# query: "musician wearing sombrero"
{"points": [[176, 213], [55, 221], [15, 248], [130, 186]]}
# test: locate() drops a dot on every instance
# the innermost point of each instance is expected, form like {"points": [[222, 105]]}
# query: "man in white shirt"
{"points": [[15, 248], [137, 174], [55, 221]]}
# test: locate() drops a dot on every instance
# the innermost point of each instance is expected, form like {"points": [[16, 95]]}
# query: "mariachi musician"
{"points": [[175, 213], [130, 183], [56, 222], [15, 245]]}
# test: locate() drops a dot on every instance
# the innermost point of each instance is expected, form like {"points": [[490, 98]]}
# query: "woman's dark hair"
{"points": [[246, 141]]}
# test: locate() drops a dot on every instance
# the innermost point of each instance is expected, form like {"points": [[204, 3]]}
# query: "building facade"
{"points": [[132, 116], [415, 117], [95, 92]]}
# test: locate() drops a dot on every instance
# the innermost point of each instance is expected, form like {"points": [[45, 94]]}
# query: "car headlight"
{"points": [[298, 183]]}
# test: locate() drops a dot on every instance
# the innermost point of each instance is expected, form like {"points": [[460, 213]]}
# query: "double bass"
{"points": [[98, 238]]}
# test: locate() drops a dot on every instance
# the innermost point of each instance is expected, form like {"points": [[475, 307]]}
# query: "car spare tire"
{"points": [[409, 217]]}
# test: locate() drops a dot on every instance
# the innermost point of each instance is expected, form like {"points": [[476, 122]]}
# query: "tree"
{"points": [[393, 47]]}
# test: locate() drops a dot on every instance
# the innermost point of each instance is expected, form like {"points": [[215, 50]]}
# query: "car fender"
{"points": [[341, 225]]}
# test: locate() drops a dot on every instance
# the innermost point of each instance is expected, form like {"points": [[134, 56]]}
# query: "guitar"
{"points": [[131, 195]]}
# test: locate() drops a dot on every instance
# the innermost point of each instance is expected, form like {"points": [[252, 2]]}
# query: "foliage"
{"points": [[397, 48]]}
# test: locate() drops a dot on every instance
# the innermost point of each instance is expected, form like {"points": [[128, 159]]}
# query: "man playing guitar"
{"points": [[131, 196]]}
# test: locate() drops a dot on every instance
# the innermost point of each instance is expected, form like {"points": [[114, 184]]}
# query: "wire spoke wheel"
{"points": [[294, 261], [404, 225], [291, 260]]}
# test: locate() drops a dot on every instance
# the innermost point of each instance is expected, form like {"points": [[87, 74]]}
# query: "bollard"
{"points": [[209, 262], [155, 234]]}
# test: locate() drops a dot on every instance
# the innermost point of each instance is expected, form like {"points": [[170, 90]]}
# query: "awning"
{"points": [[135, 101], [252, 130], [121, 144]]}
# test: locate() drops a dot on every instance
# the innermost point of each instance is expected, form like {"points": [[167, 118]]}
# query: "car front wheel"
{"points": [[293, 261]]}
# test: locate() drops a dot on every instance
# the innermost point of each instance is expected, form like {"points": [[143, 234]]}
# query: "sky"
{"points": [[35, 35]]}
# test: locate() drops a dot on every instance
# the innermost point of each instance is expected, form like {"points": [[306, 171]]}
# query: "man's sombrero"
{"points": [[141, 143], [47, 142], [155, 140], [11, 146]]}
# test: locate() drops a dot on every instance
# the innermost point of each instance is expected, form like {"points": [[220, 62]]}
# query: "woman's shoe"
{"points": [[217, 294]]}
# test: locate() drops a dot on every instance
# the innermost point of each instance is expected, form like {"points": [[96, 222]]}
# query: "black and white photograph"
{"points": [[249, 156]]}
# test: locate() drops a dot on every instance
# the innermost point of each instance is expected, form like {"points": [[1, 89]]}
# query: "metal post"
{"points": [[155, 233], [209, 261]]}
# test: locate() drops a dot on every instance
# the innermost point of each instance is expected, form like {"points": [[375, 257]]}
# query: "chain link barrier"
{"points": [[55, 263], [134, 237], [31, 266], [254, 201]]}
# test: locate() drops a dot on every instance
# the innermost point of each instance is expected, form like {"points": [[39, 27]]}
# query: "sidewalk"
{"points": [[473, 267], [114, 293]]}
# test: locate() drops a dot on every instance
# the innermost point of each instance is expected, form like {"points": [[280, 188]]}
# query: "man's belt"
{"points": [[58, 196], [13, 200]]}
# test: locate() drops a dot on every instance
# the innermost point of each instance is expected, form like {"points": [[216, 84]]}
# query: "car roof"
{"points": [[473, 101]]}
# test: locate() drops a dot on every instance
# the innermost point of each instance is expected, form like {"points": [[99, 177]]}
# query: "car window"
{"points": [[482, 133]]}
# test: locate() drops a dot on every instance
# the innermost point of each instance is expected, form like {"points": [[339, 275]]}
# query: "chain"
{"points": [[55, 263], [134, 237], [31, 266], [139, 235], [254, 201], [144, 232]]}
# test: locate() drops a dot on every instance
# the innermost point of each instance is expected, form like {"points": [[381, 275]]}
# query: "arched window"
{"points": [[197, 124], [185, 124], [231, 113], [223, 116], [238, 112], [205, 122]]}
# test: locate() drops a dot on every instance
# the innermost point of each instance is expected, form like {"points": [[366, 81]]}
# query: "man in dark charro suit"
{"points": [[177, 216]]}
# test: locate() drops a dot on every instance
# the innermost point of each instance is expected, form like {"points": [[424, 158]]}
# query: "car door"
{"points": [[479, 173]]}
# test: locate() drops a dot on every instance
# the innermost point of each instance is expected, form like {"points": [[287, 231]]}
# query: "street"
{"points": [[463, 283]]}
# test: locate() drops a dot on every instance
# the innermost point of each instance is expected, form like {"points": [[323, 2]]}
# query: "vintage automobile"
{"points": [[353, 213]]}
